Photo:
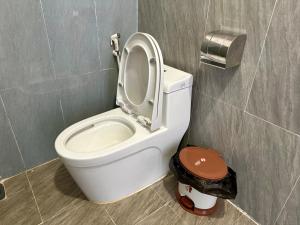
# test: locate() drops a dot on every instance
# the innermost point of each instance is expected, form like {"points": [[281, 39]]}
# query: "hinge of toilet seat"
{"points": [[144, 121], [124, 107]]}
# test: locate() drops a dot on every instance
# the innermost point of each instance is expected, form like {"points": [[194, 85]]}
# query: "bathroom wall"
{"points": [[251, 114], [56, 68]]}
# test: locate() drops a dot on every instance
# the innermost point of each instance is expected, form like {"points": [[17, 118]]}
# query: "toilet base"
{"points": [[188, 205]]}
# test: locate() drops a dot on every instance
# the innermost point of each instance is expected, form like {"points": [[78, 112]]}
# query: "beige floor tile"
{"points": [[53, 188], [16, 184], [81, 212], [62, 203], [19, 206], [163, 216], [166, 189], [131, 210], [244, 220]]}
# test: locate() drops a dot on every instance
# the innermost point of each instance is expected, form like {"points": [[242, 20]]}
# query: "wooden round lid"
{"points": [[203, 163]]}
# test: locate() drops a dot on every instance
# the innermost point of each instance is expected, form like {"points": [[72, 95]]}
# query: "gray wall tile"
{"points": [[36, 118], [178, 27], [24, 52], [252, 18], [10, 159], [71, 26], [290, 214], [275, 95], [114, 16], [39, 75], [109, 88], [85, 96], [214, 125], [265, 156], [267, 161]]}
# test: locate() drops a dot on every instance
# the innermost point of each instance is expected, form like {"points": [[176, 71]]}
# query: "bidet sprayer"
{"points": [[115, 44]]}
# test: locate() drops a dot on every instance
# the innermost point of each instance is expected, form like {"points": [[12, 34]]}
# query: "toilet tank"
{"points": [[177, 96]]}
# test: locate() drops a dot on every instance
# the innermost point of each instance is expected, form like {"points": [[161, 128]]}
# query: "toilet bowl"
{"points": [[117, 153]]}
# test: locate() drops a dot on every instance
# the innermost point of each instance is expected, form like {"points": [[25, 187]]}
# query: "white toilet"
{"points": [[120, 152]]}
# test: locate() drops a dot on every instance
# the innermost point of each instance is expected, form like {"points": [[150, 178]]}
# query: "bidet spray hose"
{"points": [[115, 44]]}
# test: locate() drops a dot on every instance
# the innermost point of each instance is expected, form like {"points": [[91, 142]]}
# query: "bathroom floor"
{"points": [[52, 197]]}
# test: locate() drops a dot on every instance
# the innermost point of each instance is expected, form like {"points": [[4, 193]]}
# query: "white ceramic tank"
{"points": [[177, 99]]}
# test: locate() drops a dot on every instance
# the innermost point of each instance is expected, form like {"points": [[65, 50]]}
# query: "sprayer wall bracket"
{"points": [[115, 44]]}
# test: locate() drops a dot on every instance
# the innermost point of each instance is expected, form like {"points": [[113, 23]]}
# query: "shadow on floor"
{"points": [[66, 185]]}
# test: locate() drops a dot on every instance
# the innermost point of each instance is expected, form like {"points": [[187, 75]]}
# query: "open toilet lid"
{"points": [[140, 83]]}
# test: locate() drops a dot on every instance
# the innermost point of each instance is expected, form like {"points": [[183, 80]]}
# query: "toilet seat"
{"points": [[140, 83]]}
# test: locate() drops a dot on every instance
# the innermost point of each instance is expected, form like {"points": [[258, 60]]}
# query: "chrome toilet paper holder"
{"points": [[223, 49]]}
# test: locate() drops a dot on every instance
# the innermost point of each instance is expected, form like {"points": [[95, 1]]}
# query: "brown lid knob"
{"points": [[203, 163]]}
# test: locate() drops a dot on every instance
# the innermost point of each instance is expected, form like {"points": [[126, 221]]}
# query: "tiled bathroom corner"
{"points": [[56, 68], [19, 206], [53, 56], [248, 113], [53, 198]]}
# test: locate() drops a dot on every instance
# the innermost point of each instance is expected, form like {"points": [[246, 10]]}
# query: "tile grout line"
{"points": [[109, 68], [43, 164], [221, 101], [173, 210], [288, 197], [60, 78], [244, 213], [79, 75], [279, 127], [36, 203], [161, 198], [110, 216], [58, 212], [206, 18], [260, 56], [250, 114], [48, 40], [97, 33], [239, 217], [167, 202], [13, 133], [137, 18], [62, 112], [22, 159], [147, 216]]}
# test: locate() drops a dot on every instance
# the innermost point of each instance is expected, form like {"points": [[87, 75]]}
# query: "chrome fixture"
{"points": [[115, 44], [223, 49]]}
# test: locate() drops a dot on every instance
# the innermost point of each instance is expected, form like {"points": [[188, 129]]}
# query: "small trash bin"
{"points": [[203, 176]]}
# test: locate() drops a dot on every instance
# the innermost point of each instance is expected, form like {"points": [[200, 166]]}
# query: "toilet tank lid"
{"points": [[175, 79]]}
